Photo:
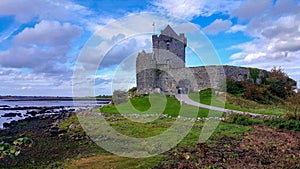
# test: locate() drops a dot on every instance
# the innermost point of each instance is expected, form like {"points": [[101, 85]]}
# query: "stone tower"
{"points": [[169, 48], [168, 52], [145, 73]]}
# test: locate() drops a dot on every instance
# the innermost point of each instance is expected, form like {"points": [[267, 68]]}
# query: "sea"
{"points": [[23, 105]]}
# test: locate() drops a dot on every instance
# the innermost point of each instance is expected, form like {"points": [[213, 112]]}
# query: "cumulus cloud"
{"points": [[181, 8], [275, 41], [107, 55], [17, 82], [43, 48], [217, 26], [49, 33], [237, 28], [249, 8], [286, 7], [192, 8], [25, 10]]}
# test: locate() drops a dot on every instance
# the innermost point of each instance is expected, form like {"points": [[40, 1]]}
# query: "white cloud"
{"points": [[275, 31], [49, 33], [249, 9], [217, 26], [237, 28], [181, 8], [284, 7], [188, 9], [25, 10], [220, 6], [17, 82], [43, 48]]}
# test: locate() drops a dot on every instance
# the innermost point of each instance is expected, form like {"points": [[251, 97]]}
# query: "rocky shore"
{"points": [[11, 115], [52, 144]]}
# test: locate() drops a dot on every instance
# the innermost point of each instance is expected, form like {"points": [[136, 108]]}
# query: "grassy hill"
{"points": [[208, 97]]}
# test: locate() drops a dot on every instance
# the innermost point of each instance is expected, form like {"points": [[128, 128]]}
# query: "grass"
{"points": [[155, 104], [141, 130], [230, 130], [114, 161], [236, 103], [235, 127], [280, 123]]}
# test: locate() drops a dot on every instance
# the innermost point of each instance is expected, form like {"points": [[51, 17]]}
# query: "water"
{"points": [[18, 105]]}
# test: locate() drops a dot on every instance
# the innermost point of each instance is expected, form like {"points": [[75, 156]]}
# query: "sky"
{"points": [[41, 41]]}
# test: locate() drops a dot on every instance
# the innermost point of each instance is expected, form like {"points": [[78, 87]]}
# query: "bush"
{"points": [[280, 84], [14, 149], [235, 87], [242, 119], [256, 93], [283, 123], [293, 104]]}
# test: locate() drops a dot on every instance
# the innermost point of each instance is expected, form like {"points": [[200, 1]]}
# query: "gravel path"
{"points": [[185, 99]]}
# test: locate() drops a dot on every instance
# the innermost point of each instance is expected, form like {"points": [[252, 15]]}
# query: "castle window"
{"points": [[168, 45]]}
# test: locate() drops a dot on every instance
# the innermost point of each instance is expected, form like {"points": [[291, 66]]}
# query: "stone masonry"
{"points": [[164, 71]]}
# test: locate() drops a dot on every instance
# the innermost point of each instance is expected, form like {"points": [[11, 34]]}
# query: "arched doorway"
{"points": [[183, 86]]}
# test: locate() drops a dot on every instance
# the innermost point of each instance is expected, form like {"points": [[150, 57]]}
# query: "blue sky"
{"points": [[41, 40]]}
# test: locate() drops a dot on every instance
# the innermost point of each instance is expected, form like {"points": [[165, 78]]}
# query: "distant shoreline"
{"points": [[47, 98]]}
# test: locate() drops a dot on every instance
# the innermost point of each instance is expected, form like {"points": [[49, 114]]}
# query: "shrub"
{"points": [[293, 104], [254, 74], [256, 93], [242, 119], [14, 149], [283, 123], [234, 87], [280, 84]]}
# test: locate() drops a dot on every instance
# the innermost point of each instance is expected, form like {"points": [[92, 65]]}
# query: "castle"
{"points": [[164, 71]]}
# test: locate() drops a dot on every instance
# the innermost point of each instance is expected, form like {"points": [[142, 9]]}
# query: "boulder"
{"points": [[12, 115], [32, 113]]}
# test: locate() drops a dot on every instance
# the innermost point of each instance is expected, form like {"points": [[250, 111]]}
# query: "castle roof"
{"points": [[168, 31]]}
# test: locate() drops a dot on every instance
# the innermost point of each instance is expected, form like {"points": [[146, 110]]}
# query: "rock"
{"points": [[12, 115], [6, 125], [61, 131], [53, 132], [61, 135], [54, 128], [32, 113], [4, 106], [12, 123], [73, 126]]}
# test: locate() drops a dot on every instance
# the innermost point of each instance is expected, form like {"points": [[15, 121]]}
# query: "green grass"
{"points": [[281, 123], [236, 103], [235, 127], [230, 130], [142, 130], [155, 104]]}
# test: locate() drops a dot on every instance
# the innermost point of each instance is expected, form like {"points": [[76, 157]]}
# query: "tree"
{"points": [[256, 93], [280, 84]]}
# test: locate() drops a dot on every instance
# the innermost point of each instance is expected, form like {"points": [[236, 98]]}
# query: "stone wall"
{"points": [[198, 78]]}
